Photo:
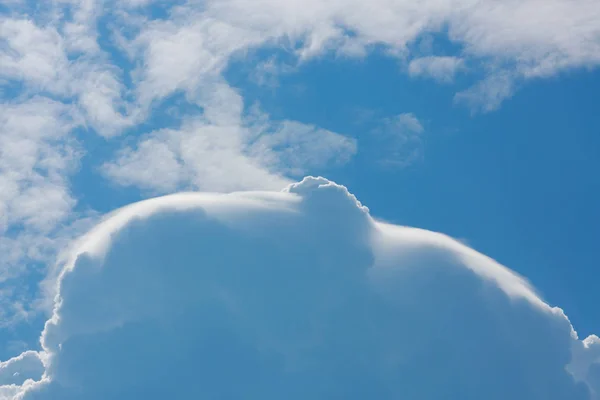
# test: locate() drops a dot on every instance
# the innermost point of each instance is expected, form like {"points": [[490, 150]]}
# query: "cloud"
{"points": [[65, 70], [401, 137], [523, 38], [198, 155], [194, 43], [488, 94], [225, 150], [188, 50], [295, 148], [27, 365], [37, 154], [66, 62], [32, 54], [113, 66], [296, 294], [442, 69]]}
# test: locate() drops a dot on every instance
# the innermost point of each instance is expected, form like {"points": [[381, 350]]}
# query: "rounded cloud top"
{"points": [[311, 187], [295, 294]]}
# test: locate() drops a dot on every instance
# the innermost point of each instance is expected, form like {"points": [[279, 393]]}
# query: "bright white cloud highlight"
{"points": [[296, 294]]}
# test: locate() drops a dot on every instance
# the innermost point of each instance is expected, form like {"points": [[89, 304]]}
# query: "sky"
{"points": [[475, 119]]}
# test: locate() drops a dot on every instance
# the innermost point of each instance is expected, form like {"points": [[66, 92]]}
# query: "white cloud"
{"points": [[198, 156], [222, 152], [193, 45], [80, 31], [186, 53], [33, 54], [36, 155], [57, 50], [442, 69], [408, 122], [295, 148], [189, 50], [297, 294], [68, 65], [519, 29], [27, 365], [527, 38], [540, 37], [488, 94], [586, 363], [267, 73]]}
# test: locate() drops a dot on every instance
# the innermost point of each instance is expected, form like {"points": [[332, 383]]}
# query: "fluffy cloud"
{"points": [[225, 150], [66, 62], [190, 47], [524, 39], [295, 294], [37, 156], [65, 75], [17, 370]]}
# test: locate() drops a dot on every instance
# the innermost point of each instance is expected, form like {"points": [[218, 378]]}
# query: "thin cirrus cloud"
{"points": [[295, 294]]}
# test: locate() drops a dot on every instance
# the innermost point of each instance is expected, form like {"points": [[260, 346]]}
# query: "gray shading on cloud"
{"points": [[295, 294]]}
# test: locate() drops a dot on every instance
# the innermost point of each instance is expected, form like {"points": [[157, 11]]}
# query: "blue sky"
{"points": [[478, 120]]}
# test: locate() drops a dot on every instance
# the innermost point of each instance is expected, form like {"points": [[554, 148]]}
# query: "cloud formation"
{"points": [[295, 294], [402, 138], [225, 150], [112, 69], [440, 68]]}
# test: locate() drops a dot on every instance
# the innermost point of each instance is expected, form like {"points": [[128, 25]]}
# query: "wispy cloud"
{"points": [[442, 69], [225, 150], [488, 94], [400, 140]]}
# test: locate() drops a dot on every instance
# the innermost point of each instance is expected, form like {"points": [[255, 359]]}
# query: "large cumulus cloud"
{"points": [[298, 294]]}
